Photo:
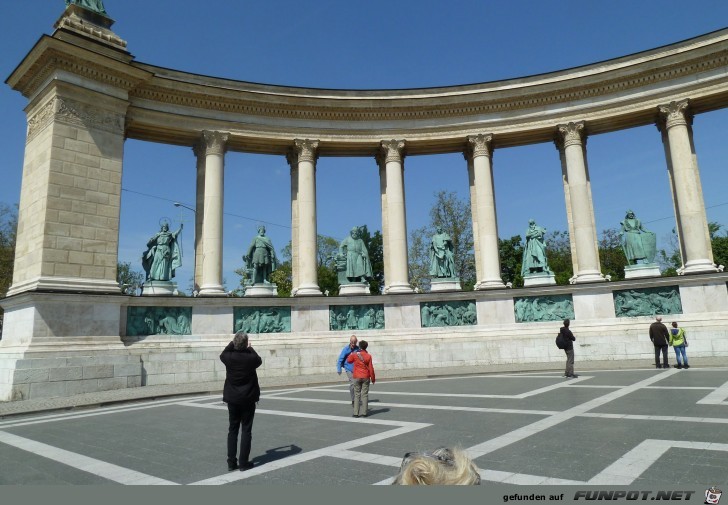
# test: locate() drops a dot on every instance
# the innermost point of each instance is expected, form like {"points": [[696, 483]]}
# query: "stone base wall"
{"points": [[61, 344]]}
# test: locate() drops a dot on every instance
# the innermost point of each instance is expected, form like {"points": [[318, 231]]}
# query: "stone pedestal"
{"points": [[160, 288], [641, 270], [445, 284], [540, 279], [354, 289], [261, 290]]}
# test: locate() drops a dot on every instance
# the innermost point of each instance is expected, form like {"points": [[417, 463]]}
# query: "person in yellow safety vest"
{"points": [[679, 342]]}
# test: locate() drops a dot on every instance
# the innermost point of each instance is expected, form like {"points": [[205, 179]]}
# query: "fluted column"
{"points": [[214, 145], [571, 144], [199, 151], [486, 222], [687, 191], [304, 155], [392, 152]]}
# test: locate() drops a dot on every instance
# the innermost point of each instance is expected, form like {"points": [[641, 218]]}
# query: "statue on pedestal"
{"points": [[163, 254], [534, 254], [638, 244], [442, 261], [261, 258], [358, 268], [92, 5]]}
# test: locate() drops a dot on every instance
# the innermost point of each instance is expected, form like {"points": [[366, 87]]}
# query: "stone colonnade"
{"points": [[86, 95], [570, 140]]}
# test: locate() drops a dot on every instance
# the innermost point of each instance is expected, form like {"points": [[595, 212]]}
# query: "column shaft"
{"points": [[199, 152], [398, 282], [307, 231], [215, 146], [488, 271], [687, 190], [584, 238], [385, 218]]}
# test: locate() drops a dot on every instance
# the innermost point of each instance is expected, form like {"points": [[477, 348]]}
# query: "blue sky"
{"points": [[374, 45]]}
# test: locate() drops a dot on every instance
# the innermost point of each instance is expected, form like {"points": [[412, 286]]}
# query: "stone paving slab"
{"points": [[590, 434], [161, 391]]}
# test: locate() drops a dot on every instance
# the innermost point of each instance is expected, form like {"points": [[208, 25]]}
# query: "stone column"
{"points": [[214, 145], [396, 233], [571, 144], [199, 151], [305, 250], [382, 163], [483, 208], [292, 159], [687, 191]]}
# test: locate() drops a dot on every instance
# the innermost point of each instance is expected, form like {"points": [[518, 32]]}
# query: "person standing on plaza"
{"points": [[660, 338], [679, 342], [241, 392], [363, 374], [569, 340], [341, 363]]}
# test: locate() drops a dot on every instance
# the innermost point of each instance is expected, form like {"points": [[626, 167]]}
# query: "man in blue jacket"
{"points": [[348, 367], [241, 392]]}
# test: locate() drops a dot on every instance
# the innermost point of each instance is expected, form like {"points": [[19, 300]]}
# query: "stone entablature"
{"points": [[608, 96]]}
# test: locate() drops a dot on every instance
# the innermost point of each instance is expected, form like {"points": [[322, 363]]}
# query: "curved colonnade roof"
{"points": [[173, 107]]}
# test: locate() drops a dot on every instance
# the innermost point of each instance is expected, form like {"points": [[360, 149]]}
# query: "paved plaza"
{"points": [[638, 427]]}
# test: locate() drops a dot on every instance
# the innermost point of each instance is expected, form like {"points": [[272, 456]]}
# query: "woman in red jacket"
{"points": [[363, 372]]}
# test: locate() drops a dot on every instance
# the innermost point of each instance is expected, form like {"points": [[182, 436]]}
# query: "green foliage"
{"points": [[511, 257], [719, 243], [375, 247], [8, 231], [419, 259], [611, 255], [282, 277], [130, 280], [454, 216], [558, 251]]}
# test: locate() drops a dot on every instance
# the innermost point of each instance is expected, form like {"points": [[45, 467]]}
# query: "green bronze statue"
{"points": [[163, 255], [92, 5], [261, 257], [442, 261], [638, 244], [358, 266], [534, 254]]}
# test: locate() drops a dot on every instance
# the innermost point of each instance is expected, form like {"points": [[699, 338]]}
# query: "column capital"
{"points": [[199, 148], [214, 142], [480, 145], [673, 114], [570, 134], [391, 151], [304, 150]]}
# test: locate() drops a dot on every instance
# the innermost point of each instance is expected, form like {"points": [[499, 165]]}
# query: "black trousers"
{"points": [[660, 349], [240, 416]]}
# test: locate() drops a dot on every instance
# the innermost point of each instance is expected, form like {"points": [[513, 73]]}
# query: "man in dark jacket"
{"points": [[660, 338], [241, 393], [569, 340]]}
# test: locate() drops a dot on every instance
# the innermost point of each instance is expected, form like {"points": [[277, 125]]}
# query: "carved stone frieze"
{"points": [[214, 142], [392, 151], [305, 150], [474, 103], [480, 145], [71, 112], [674, 114]]}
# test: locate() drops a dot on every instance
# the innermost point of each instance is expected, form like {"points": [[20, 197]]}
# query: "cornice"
{"points": [[51, 56], [540, 92]]}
